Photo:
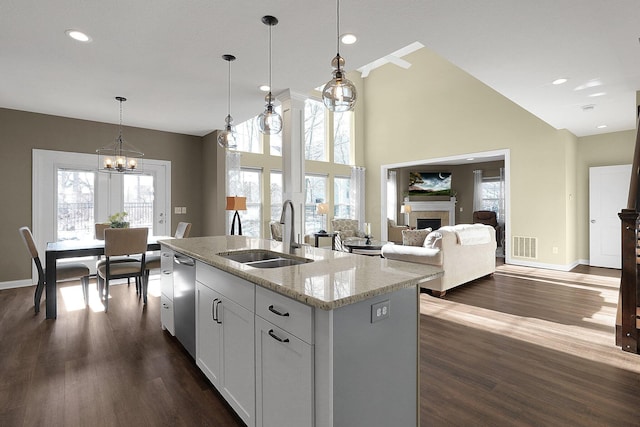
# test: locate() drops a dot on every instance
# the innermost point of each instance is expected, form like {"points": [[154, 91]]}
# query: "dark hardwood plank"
{"points": [[522, 348]]}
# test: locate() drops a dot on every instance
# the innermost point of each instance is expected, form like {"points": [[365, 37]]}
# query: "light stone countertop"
{"points": [[334, 279]]}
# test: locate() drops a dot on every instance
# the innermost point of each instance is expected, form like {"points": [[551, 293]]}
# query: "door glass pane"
{"points": [[75, 210], [138, 200]]}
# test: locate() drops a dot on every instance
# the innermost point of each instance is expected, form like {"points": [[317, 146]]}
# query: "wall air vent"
{"points": [[525, 247]]}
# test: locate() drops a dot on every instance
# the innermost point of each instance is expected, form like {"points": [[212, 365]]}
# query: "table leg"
{"points": [[333, 242], [316, 240], [50, 288]]}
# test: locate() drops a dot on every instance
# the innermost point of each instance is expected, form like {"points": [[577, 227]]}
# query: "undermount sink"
{"points": [[262, 258]]}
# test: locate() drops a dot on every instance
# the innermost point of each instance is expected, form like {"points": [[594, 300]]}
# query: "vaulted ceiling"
{"points": [[165, 55]]}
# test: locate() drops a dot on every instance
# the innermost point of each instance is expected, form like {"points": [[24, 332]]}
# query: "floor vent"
{"points": [[525, 247]]}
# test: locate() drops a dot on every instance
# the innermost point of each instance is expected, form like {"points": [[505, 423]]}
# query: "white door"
{"points": [[608, 192]]}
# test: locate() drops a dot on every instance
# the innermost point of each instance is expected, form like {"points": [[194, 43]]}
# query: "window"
{"points": [[76, 199], [341, 202], [276, 196], [491, 194], [315, 147], [316, 192], [138, 200], [342, 137], [250, 186], [248, 137]]}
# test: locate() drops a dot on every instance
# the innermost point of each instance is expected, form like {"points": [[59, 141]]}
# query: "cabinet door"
{"points": [[166, 314], [208, 333], [284, 378], [166, 272], [237, 379]]}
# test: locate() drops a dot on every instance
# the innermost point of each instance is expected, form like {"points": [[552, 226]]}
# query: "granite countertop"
{"points": [[334, 279]]}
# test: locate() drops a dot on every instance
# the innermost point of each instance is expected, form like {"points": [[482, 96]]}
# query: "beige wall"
{"points": [[434, 110], [23, 131], [609, 149]]}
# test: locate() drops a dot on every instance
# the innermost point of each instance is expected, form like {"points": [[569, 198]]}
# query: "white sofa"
{"points": [[465, 252]]}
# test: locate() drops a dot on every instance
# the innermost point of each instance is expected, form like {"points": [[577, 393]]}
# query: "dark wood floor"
{"points": [[525, 347]]}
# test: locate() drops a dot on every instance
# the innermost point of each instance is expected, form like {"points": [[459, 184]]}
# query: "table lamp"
{"points": [[322, 209], [406, 210], [236, 203]]}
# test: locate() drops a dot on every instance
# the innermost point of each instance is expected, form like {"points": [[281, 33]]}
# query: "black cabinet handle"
{"points": [[213, 310], [277, 338], [273, 310], [218, 312]]}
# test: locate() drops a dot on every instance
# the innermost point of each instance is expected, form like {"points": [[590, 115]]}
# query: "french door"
{"points": [[70, 196]]}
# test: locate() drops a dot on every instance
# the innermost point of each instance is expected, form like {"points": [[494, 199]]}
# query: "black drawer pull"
{"points": [[274, 336], [273, 310]]}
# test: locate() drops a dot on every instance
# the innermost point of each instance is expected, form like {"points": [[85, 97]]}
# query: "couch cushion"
{"points": [[432, 239], [414, 237]]}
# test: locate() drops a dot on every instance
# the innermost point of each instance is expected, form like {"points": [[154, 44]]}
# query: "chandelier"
{"points": [[119, 156]]}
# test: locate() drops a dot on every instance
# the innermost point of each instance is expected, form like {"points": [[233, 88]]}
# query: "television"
{"points": [[430, 183]]}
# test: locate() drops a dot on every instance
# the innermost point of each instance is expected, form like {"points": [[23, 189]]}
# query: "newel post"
{"points": [[628, 281]]}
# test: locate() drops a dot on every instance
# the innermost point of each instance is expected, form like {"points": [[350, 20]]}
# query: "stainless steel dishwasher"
{"points": [[184, 301]]}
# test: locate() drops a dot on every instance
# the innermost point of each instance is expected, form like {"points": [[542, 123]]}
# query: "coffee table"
{"points": [[360, 246]]}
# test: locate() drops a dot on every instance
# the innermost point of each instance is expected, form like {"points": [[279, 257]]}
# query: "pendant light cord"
{"points": [[229, 89], [270, 88], [338, 28]]}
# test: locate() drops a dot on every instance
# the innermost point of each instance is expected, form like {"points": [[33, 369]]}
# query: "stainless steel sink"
{"points": [[262, 258]]}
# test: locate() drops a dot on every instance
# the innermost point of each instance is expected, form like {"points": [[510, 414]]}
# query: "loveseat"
{"points": [[465, 252]]}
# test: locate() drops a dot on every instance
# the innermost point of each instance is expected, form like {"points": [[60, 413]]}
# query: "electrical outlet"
{"points": [[184, 210], [380, 311], [554, 250], [176, 210]]}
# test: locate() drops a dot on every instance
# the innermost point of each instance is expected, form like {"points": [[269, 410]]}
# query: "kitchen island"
{"points": [[331, 341]]}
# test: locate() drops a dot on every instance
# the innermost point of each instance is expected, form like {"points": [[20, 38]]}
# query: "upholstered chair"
{"points": [[182, 232], [346, 229], [489, 218], [276, 231], [394, 231]]}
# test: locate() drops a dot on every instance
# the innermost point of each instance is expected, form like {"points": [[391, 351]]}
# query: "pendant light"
{"points": [[120, 156], [339, 94], [269, 121], [227, 137]]}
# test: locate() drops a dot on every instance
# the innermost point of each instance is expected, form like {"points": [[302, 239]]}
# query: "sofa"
{"points": [[465, 252]]}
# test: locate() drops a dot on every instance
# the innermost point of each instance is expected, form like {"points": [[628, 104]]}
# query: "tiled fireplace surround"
{"points": [[443, 210]]}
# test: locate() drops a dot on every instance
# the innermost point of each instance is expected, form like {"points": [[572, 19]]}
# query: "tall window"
{"points": [[276, 196], [76, 198], [316, 192], [138, 200], [341, 202], [491, 194], [248, 137], [250, 186], [315, 145], [342, 137]]}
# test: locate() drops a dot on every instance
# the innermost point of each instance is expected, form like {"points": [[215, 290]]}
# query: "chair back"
{"points": [[485, 217], [182, 230], [27, 238], [276, 231], [99, 229], [125, 241]]}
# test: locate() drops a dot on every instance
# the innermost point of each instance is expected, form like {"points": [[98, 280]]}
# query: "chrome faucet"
{"points": [[292, 243]]}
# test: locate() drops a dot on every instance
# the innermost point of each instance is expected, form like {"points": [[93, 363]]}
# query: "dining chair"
{"points": [[99, 229], [64, 271], [120, 242], [153, 261]]}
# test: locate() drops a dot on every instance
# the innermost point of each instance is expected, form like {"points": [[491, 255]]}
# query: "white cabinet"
{"points": [[166, 289], [284, 361], [225, 337]]}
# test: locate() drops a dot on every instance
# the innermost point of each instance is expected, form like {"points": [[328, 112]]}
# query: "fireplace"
{"points": [[432, 223]]}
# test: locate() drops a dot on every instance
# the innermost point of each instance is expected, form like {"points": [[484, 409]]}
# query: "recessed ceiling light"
{"points": [[78, 35], [559, 81], [595, 95], [264, 88], [348, 38], [601, 126]]}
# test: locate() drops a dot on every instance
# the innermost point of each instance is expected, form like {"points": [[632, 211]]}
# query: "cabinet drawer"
{"points": [[236, 289], [166, 272], [292, 316], [166, 314]]}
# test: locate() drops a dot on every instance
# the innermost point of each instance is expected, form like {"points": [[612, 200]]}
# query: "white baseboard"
{"points": [[16, 284], [559, 267]]}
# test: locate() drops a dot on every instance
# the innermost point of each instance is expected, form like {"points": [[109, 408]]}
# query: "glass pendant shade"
{"points": [[269, 121], [339, 94], [120, 156], [227, 137]]}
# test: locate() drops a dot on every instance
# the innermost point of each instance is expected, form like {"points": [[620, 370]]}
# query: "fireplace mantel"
{"points": [[435, 206]]}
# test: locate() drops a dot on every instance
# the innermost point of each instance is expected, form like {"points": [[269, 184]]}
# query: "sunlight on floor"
{"points": [[73, 299]]}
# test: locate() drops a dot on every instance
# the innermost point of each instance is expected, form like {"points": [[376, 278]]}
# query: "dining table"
{"points": [[72, 249]]}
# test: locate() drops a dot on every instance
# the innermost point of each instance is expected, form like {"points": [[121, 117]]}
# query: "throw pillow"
{"points": [[432, 239], [414, 237]]}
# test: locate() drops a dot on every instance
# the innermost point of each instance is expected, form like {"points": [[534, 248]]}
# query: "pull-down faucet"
{"points": [[292, 243]]}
